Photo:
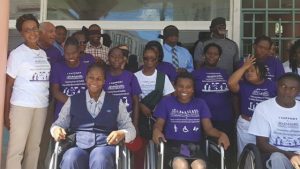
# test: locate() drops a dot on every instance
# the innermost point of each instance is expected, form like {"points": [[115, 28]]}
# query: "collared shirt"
{"points": [[185, 59], [100, 51], [94, 107]]}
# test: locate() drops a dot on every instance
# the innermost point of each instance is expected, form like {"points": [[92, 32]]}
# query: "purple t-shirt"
{"points": [[124, 86], [168, 69], [211, 86], [251, 94], [87, 58], [70, 80], [53, 55], [274, 68], [182, 121]]}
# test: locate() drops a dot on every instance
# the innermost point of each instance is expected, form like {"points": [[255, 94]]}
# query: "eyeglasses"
{"points": [[33, 30], [149, 59]]}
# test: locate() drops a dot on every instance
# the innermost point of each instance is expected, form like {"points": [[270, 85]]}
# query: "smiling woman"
{"points": [[99, 125], [27, 77]]}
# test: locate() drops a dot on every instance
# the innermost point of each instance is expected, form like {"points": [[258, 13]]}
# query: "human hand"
{"points": [[115, 137], [224, 140], [249, 61], [157, 135], [59, 133], [295, 160]]}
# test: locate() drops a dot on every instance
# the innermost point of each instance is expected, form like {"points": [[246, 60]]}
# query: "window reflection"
{"points": [[135, 39], [20, 7], [138, 10]]}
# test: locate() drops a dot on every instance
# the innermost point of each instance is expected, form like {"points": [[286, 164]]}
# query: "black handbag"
{"points": [[151, 100]]}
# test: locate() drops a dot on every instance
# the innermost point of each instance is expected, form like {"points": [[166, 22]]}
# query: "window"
{"points": [[138, 10], [20, 7], [275, 18]]}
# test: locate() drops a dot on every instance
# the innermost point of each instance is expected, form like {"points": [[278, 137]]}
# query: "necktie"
{"points": [[175, 58]]}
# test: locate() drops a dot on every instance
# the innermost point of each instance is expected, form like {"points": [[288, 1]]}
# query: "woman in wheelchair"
{"points": [[180, 119], [99, 120]]}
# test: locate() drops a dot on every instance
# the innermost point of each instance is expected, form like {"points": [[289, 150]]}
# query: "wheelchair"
{"points": [[123, 159], [155, 154], [250, 158]]}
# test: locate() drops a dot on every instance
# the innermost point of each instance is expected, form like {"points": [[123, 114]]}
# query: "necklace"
{"points": [[36, 52]]}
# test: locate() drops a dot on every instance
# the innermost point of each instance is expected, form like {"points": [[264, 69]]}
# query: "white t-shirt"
{"points": [[147, 83], [281, 125], [31, 71], [286, 67]]}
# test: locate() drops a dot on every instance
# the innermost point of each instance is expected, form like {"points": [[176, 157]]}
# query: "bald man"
{"points": [[46, 42]]}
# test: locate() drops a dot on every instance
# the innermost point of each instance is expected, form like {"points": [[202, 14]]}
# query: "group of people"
{"points": [[58, 84]]}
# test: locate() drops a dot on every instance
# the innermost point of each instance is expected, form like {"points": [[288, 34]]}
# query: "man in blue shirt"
{"points": [[178, 56]]}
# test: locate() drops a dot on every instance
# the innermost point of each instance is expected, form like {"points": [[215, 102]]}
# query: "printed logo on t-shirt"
{"points": [[117, 88], [214, 82], [74, 83], [268, 74], [287, 132], [71, 91], [40, 70], [185, 120], [40, 76], [215, 87], [257, 96]]}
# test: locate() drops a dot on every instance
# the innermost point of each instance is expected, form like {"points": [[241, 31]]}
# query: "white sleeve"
{"points": [[13, 64], [259, 125], [168, 87], [64, 117], [125, 123]]}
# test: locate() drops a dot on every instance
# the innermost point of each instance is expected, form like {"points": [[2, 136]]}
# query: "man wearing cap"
{"points": [[230, 54], [178, 56], [94, 46]]}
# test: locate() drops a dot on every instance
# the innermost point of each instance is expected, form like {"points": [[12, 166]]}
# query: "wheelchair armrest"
{"points": [[122, 156], [212, 144], [160, 154]]}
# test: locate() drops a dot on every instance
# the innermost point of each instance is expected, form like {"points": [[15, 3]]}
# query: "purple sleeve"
{"points": [[54, 75], [135, 86], [204, 110], [161, 110], [173, 73]]}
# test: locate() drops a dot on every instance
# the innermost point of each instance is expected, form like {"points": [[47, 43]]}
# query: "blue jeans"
{"points": [[97, 158]]}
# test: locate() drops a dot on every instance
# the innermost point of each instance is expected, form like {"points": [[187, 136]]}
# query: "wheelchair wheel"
{"points": [[250, 158]]}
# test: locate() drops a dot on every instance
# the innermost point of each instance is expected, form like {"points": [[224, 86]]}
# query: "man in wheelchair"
{"points": [[99, 120], [276, 125], [179, 123]]}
